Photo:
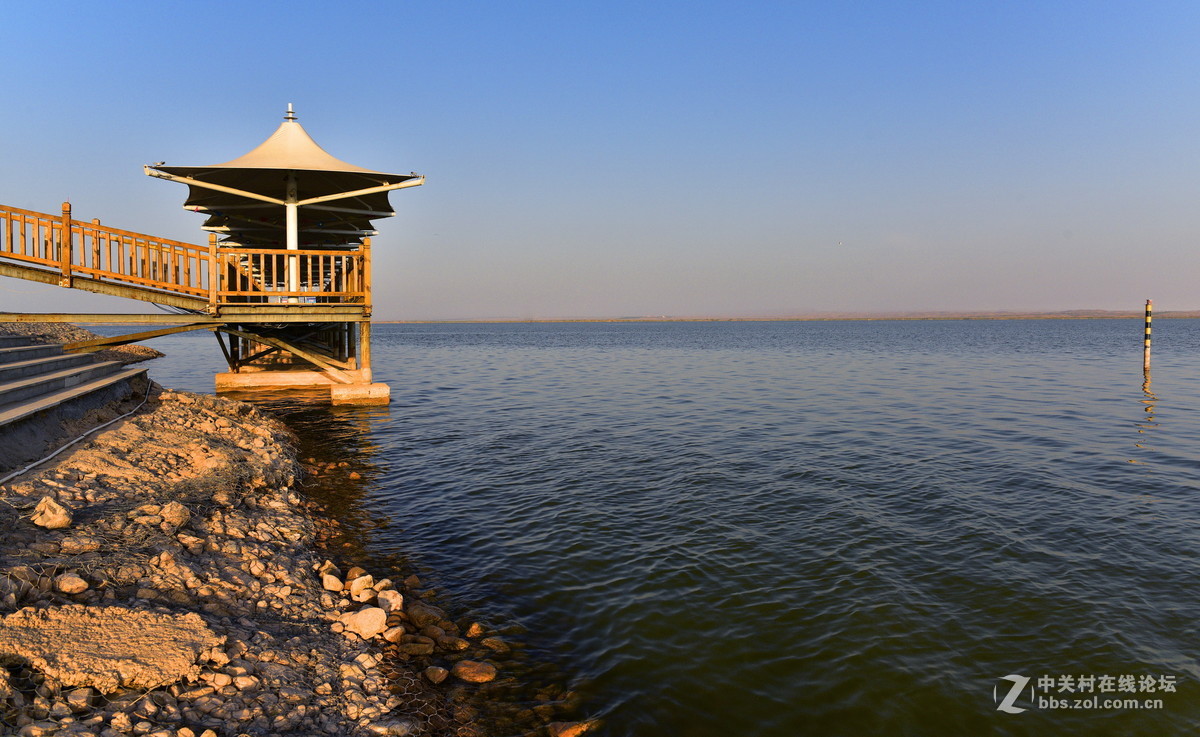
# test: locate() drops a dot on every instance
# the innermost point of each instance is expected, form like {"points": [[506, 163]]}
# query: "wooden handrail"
{"points": [[216, 275], [78, 248], [261, 274]]}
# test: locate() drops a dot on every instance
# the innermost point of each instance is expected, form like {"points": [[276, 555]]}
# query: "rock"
{"points": [[393, 634], [107, 647], [366, 623], [195, 692], [570, 729], [423, 615], [475, 629], [364, 595], [436, 674], [175, 514], [70, 583], [390, 600], [399, 727], [432, 631], [80, 698], [331, 582], [495, 644], [78, 544], [51, 515], [474, 672], [453, 644], [360, 583], [415, 648]]}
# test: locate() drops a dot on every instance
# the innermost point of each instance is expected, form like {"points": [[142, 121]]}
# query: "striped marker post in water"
{"points": [[1146, 348]]}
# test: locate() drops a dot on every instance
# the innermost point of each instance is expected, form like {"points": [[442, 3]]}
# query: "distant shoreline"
{"points": [[831, 317], [822, 317]]}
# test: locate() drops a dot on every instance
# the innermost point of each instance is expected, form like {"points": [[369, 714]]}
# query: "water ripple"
{"points": [[782, 529]]}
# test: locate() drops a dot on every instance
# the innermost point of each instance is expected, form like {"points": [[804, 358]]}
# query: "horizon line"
{"points": [[829, 316]]}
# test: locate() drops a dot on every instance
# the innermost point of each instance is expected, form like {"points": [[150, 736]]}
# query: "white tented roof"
{"points": [[244, 197]]}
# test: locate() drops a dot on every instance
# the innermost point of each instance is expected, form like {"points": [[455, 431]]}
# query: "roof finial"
{"points": [[290, 115]]}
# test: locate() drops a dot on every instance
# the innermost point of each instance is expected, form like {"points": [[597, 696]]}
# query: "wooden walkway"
{"points": [[226, 284]]}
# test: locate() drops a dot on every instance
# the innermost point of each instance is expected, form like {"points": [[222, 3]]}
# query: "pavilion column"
{"points": [[292, 226]]}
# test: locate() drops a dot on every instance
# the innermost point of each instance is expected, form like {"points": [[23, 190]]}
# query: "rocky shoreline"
{"points": [[165, 577]]}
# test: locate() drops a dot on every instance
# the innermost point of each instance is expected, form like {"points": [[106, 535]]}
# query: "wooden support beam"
{"points": [[259, 316], [320, 362], [99, 344], [32, 273], [225, 350]]}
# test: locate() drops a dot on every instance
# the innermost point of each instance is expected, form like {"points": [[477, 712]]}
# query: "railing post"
{"points": [[366, 277], [64, 246], [213, 277]]}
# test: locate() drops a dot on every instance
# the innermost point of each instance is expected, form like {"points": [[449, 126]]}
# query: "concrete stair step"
{"points": [[18, 390], [44, 365], [18, 410], [12, 354], [7, 341]]}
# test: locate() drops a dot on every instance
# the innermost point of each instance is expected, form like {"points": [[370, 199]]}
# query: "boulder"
{"points": [[50, 514], [423, 615], [361, 583], [474, 672], [70, 583], [495, 644], [366, 623], [175, 514], [390, 600]]}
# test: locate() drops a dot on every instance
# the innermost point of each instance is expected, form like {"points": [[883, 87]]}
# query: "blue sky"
{"points": [[673, 158]]}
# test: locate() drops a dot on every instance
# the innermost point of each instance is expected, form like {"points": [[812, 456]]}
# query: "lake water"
{"points": [[783, 529]]}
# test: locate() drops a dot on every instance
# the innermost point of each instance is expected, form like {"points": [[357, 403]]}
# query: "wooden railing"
{"points": [[146, 264], [262, 275], [103, 253]]}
